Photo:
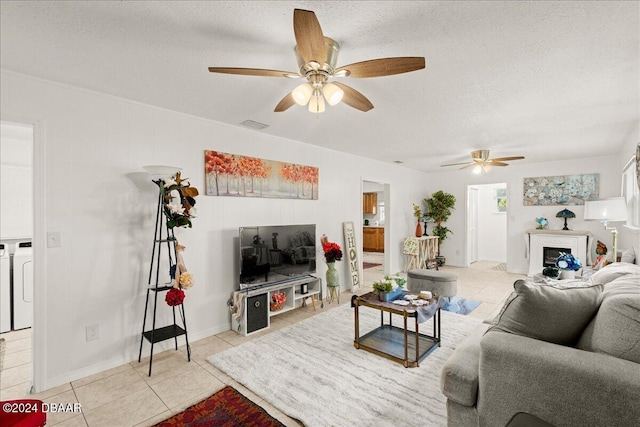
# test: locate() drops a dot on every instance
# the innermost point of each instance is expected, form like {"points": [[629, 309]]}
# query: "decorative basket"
{"points": [[275, 306]]}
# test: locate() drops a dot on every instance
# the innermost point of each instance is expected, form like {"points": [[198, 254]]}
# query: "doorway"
{"points": [[17, 144], [487, 207], [375, 231]]}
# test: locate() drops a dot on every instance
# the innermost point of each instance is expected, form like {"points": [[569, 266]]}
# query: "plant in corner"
{"points": [[439, 209]]}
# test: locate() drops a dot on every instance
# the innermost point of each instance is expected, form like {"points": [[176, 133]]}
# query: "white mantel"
{"points": [[579, 242]]}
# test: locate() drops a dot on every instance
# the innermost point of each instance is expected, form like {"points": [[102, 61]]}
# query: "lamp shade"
{"points": [[609, 210], [162, 171], [316, 105], [302, 93], [565, 213], [333, 93]]}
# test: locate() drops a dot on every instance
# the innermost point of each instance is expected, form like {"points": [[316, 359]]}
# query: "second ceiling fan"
{"points": [[317, 56], [480, 159]]}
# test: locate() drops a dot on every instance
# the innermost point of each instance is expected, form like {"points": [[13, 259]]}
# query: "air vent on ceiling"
{"points": [[254, 125]]}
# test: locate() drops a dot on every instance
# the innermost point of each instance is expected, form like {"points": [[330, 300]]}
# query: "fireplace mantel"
{"points": [[578, 242]]}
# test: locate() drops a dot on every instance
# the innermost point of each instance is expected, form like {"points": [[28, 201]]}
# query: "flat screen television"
{"points": [[276, 253]]}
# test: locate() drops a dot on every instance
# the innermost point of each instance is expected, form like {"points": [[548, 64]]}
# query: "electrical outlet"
{"points": [[92, 332]]}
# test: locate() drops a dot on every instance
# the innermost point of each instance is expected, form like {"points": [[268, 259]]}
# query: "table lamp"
{"points": [[606, 211], [565, 213]]}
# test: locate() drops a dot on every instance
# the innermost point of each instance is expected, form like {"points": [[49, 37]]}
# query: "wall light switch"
{"points": [[53, 239]]}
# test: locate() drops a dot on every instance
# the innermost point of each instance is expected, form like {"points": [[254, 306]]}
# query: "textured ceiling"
{"points": [[538, 79]]}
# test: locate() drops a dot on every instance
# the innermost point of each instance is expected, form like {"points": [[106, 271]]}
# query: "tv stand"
{"points": [[257, 313]]}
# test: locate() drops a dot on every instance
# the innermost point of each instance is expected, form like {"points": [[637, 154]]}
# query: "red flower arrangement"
{"points": [[174, 297], [332, 251]]}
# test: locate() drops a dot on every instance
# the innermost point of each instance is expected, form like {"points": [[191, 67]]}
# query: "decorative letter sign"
{"points": [[351, 252]]}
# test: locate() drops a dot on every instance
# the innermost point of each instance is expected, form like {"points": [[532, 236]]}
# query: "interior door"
{"points": [[472, 226]]}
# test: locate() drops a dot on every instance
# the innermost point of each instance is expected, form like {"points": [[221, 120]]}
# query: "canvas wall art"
{"points": [[244, 176], [561, 190]]}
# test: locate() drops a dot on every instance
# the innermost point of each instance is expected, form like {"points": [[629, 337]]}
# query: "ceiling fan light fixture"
{"points": [[316, 104], [302, 93], [486, 168], [333, 93], [477, 169]]}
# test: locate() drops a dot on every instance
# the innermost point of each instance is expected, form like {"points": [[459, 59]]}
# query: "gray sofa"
{"points": [[564, 354]]}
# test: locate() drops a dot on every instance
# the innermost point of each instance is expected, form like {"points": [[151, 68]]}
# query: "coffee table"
{"points": [[398, 343]]}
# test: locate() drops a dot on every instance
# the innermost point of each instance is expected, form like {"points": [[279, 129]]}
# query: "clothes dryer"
{"points": [[5, 289], [22, 286]]}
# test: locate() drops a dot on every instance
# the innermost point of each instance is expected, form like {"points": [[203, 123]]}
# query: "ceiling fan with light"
{"points": [[482, 162], [317, 56]]}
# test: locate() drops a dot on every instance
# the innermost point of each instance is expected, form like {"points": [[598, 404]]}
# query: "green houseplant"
{"points": [[439, 208], [390, 287]]}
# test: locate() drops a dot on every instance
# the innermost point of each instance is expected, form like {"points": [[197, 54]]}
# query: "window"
{"points": [[381, 212], [630, 190]]}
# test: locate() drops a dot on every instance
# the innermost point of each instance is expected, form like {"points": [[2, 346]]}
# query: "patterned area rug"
{"points": [[461, 305], [369, 264], [500, 267], [312, 372], [226, 408]]}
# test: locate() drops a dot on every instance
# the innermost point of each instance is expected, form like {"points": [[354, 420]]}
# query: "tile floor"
{"points": [[126, 396]]}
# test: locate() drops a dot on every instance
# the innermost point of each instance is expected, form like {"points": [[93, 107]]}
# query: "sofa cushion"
{"points": [[556, 315], [615, 330], [612, 271]]}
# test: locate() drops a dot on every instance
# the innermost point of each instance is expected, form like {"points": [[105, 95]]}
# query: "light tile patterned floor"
{"points": [[126, 396]]}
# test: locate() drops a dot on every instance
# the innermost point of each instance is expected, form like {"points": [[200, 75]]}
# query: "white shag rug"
{"points": [[312, 372]]}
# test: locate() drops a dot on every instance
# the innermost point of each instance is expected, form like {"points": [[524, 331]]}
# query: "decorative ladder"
{"points": [[155, 335]]}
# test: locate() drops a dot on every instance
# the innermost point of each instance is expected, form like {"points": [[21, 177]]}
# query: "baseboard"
{"points": [[114, 362]]}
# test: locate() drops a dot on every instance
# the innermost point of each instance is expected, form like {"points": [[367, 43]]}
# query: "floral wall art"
{"points": [[244, 176], [561, 190]]}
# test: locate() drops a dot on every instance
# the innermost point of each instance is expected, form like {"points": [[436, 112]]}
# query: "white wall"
{"points": [[520, 217], [97, 197], [492, 225]]}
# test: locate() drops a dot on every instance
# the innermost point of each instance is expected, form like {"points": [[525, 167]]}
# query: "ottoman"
{"points": [[438, 282]]}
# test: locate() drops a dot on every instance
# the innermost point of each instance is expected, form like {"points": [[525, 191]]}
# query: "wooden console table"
{"points": [[428, 249]]}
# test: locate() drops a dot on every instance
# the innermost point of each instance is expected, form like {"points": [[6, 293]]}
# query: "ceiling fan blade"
{"points": [[457, 164], [353, 98], [254, 72], [285, 103], [468, 166], [494, 163], [309, 37], [500, 159], [384, 66]]}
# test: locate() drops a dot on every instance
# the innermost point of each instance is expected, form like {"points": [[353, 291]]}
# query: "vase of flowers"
{"points": [[568, 265], [278, 299], [417, 212], [332, 253]]}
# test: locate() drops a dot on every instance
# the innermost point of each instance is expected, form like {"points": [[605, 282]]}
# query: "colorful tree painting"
{"points": [[247, 176]]}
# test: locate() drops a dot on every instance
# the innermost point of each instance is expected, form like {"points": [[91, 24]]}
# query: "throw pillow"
{"points": [[547, 313], [629, 256], [616, 328]]}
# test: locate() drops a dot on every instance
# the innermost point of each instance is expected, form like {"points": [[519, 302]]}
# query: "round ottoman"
{"points": [[438, 282]]}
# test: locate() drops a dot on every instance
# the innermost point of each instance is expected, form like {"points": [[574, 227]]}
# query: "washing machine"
{"points": [[5, 288], [22, 285]]}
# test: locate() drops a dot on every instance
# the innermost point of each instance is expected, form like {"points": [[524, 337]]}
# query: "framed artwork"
{"points": [[561, 190], [244, 176], [351, 253]]}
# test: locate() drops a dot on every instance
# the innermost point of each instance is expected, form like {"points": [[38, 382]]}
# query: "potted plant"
{"points": [[389, 288], [439, 209]]}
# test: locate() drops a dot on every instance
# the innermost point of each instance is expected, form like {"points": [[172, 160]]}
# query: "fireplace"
{"points": [[550, 255], [544, 247]]}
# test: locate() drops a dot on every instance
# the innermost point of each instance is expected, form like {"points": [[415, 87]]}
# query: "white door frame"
{"points": [[387, 221], [38, 349]]}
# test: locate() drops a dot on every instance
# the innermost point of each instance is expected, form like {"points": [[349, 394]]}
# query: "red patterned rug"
{"points": [[369, 264], [226, 408]]}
